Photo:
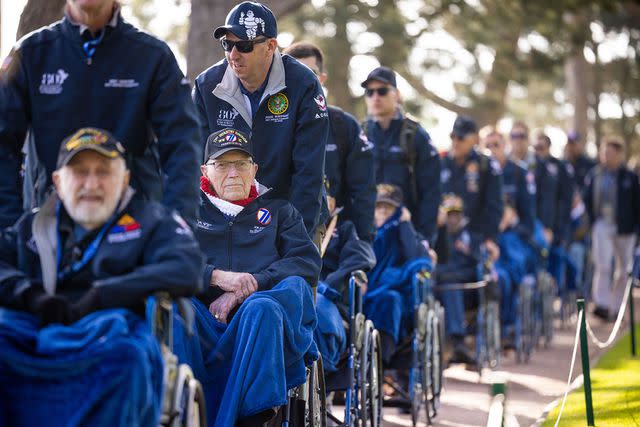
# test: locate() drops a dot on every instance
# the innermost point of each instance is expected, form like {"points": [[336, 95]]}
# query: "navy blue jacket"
{"points": [[581, 168], [132, 87], [145, 249], [628, 199], [267, 239], [519, 191], [391, 166], [478, 181], [289, 132], [349, 169], [554, 195], [345, 254]]}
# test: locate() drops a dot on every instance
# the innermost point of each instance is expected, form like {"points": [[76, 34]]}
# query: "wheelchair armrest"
{"points": [[186, 311]]}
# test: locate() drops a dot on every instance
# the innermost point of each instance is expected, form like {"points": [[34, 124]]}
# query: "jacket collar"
{"points": [[230, 209], [229, 87], [46, 236]]}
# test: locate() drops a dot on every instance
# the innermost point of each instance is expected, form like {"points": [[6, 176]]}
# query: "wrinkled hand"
{"points": [[405, 216], [363, 281], [222, 306], [241, 284], [493, 249]]}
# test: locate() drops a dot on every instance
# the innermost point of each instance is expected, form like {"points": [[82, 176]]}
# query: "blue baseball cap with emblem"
{"points": [[381, 74], [464, 126], [226, 140], [249, 20]]}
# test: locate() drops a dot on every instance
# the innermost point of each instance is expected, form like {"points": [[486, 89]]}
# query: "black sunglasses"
{"points": [[242, 46], [518, 135], [382, 91]]}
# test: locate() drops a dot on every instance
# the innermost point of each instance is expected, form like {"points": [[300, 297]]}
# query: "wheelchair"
{"points": [[359, 377], [487, 318], [360, 373], [426, 354], [535, 321], [183, 402]]}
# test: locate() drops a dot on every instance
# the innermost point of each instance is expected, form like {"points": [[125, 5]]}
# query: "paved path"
{"points": [[531, 387]]}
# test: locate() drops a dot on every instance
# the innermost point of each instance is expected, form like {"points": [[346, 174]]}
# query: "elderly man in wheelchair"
{"points": [[74, 347], [255, 321]]}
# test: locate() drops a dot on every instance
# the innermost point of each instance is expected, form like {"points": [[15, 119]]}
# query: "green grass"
{"points": [[615, 382]]}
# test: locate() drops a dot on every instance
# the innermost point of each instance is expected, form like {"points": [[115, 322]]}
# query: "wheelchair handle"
{"points": [[462, 286], [360, 277]]}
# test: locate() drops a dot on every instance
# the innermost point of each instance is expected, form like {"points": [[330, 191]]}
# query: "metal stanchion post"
{"points": [[632, 319], [584, 347]]}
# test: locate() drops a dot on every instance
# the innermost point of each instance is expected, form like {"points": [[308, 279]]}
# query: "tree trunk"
{"points": [[202, 49], [337, 56], [577, 81], [38, 13]]}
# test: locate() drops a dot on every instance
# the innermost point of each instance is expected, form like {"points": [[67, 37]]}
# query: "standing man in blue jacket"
{"points": [[403, 152], [477, 180], [94, 69], [612, 200], [349, 157], [276, 100]]}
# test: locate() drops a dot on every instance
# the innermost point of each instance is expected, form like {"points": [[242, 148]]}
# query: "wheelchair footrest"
{"points": [[396, 402]]}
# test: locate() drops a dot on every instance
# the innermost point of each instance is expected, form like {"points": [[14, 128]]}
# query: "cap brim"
{"points": [[226, 150], [224, 29], [388, 201], [376, 79], [110, 154]]}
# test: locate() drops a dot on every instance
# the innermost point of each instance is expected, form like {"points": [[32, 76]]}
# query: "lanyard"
{"points": [[88, 254], [90, 46]]}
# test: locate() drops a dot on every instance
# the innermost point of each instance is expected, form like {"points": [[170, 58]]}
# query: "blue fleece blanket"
{"points": [[330, 335], [248, 365], [389, 301], [104, 370]]}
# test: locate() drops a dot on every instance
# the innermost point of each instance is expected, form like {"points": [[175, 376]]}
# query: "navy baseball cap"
{"points": [[573, 136], [249, 20], [226, 140], [381, 74], [463, 126], [389, 193], [94, 139]]}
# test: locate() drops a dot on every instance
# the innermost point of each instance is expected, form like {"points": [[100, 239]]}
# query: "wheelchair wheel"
{"points": [[420, 372], [493, 334], [436, 357], [366, 377], [547, 297], [316, 401], [526, 316], [186, 406], [374, 383]]}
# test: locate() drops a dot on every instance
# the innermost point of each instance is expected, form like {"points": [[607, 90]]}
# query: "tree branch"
{"points": [[417, 84]]}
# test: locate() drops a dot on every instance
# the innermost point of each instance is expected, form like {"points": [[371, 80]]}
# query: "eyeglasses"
{"points": [[382, 91], [242, 46], [239, 165], [518, 135]]}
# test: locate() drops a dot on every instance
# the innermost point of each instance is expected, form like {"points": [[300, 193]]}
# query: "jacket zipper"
{"points": [[230, 245]]}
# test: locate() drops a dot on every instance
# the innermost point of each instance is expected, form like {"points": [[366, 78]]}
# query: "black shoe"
{"points": [[461, 353], [601, 312], [259, 419]]}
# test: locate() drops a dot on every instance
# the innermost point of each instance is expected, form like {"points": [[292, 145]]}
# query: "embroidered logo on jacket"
{"points": [[263, 216], [125, 229], [227, 118], [121, 83], [278, 104], [51, 83]]}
